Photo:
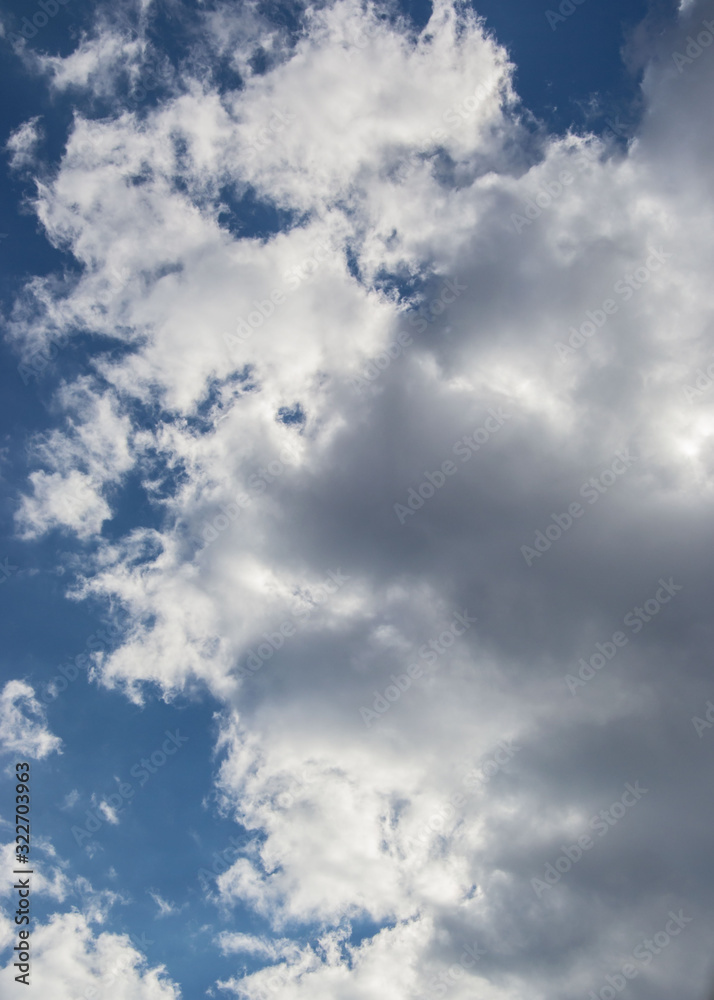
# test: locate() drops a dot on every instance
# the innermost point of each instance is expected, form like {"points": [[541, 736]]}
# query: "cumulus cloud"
{"points": [[70, 961], [89, 456], [49, 877], [67, 947], [22, 144], [23, 724], [541, 426]]}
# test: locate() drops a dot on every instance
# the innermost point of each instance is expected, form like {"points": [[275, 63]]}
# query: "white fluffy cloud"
{"points": [[22, 144], [406, 163], [250, 944], [49, 877], [69, 958], [23, 724], [70, 961]]}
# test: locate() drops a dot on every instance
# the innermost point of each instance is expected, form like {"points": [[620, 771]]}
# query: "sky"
{"points": [[357, 475]]}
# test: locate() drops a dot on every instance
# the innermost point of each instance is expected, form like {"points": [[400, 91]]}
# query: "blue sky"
{"points": [[179, 498]]}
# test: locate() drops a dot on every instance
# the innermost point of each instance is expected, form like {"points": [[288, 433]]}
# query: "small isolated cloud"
{"points": [[166, 909], [70, 800], [109, 813], [251, 944], [22, 144], [23, 728]]}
